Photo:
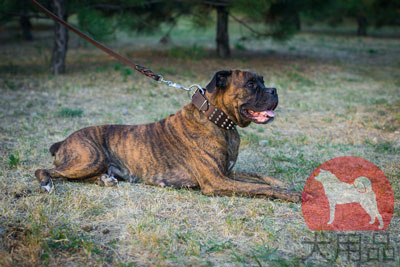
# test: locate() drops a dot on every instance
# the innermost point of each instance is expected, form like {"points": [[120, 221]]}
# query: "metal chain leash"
{"points": [[178, 86]]}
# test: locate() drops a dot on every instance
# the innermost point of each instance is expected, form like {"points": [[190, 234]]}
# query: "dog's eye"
{"points": [[251, 84]]}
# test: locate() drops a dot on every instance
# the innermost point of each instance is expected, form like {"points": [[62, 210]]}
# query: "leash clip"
{"points": [[178, 86], [172, 84]]}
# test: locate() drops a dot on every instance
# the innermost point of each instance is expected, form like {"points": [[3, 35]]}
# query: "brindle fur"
{"points": [[182, 150]]}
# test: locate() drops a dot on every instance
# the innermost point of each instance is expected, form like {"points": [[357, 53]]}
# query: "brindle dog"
{"points": [[183, 150]]}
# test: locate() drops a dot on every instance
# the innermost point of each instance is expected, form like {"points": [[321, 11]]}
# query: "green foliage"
{"points": [[118, 66], [58, 239], [383, 147], [255, 10], [386, 12], [96, 24], [372, 51], [13, 161], [240, 47], [9, 9], [281, 16], [365, 12], [65, 239], [124, 71], [201, 17], [6, 7], [147, 16], [69, 113]]}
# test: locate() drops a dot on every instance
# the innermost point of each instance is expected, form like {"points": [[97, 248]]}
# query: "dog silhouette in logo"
{"points": [[339, 192]]}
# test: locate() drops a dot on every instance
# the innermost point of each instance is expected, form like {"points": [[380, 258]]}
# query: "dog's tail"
{"points": [[54, 148], [363, 185]]}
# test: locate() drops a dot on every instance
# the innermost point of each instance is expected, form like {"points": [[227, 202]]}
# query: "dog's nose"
{"points": [[271, 91]]}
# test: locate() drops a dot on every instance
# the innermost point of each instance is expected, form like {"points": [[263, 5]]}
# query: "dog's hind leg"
{"points": [[106, 180], [113, 175], [44, 179], [87, 171], [122, 174], [74, 160]]}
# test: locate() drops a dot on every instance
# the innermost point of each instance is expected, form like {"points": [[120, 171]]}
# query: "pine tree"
{"points": [[365, 13], [21, 11]]}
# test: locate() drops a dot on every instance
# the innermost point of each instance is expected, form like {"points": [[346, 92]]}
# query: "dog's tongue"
{"points": [[262, 115], [270, 113]]}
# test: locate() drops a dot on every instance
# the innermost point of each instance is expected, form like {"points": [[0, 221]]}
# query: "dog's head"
{"points": [[242, 95]]}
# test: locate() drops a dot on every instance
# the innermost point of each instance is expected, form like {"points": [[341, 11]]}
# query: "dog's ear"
{"points": [[219, 80]]}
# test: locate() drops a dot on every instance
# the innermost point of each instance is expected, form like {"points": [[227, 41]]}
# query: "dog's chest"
{"points": [[232, 148]]}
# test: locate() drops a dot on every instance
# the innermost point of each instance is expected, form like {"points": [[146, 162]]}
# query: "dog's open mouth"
{"points": [[259, 116]]}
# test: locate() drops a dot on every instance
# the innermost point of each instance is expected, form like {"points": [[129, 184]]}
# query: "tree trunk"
{"points": [[222, 39], [362, 26], [60, 38], [24, 21], [297, 21], [26, 26]]}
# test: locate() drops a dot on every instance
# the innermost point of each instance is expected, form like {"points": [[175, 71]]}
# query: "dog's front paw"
{"points": [[296, 197], [105, 180], [47, 188]]}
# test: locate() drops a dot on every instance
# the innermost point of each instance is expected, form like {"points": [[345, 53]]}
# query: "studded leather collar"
{"points": [[214, 114]]}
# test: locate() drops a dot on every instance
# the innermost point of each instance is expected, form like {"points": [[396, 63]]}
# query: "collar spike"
{"points": [[199, 101]]}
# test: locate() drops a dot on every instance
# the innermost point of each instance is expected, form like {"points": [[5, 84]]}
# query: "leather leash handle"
{"points": [[126, 61]]}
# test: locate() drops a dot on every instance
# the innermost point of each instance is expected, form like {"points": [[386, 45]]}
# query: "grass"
{"points": [[69, 113], [13, 161], [188, 53], [339, 95]]}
